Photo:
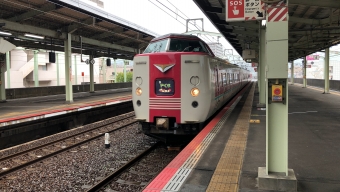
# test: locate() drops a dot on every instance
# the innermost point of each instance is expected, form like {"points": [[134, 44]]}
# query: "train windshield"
{"points": [[158, 46], [184, 45]]}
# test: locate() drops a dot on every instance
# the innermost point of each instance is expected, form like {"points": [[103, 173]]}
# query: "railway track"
{"points": [[50, 146], [123, 168], [138, 172]]}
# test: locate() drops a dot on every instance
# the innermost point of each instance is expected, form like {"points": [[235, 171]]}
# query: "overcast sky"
{"points": [[163, 16]]}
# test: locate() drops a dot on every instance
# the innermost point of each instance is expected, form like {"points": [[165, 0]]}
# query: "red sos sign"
{"points": [[235, 9]]}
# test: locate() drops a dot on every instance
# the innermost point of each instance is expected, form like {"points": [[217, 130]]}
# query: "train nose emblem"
{"points": [[164, 68]]}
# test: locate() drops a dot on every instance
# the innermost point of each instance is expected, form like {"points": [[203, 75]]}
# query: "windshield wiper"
{"points": [[187, 48]]}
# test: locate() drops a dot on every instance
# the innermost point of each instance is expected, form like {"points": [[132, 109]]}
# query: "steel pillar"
{"points": [[115, 64], [276, 175], [304, 72], [125, 63], [75, 70], [91, 77], [68, 70], [326, 71], [292, 73], [57, 58], [8, 64], [277, 113], [2, 83], [262, 69], [36, 73]]}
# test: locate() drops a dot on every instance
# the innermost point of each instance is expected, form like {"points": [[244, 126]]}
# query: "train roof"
{"points": [[176, 35]]}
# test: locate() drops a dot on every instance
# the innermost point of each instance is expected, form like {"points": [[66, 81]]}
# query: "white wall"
{"points": [[48, 77]]}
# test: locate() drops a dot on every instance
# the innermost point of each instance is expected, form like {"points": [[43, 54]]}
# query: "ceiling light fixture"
{"points": [[5, 33], [34, 36]]}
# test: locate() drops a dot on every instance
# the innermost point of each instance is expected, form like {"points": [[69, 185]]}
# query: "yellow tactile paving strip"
{"points": [[226, 175]]}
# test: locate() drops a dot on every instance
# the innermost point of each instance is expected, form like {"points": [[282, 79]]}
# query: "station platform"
{"points": [[15, 111], [227, 153]]}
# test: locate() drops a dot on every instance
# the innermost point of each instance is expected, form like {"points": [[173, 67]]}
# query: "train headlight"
{"points": [[195, 92], [139, 91]]}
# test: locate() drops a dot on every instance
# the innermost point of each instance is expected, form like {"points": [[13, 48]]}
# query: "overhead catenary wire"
{"points": [[167, 13], [193, 23], [179, 16]]}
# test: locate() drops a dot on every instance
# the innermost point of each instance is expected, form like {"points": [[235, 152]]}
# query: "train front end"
{"points": [[167, 88]]}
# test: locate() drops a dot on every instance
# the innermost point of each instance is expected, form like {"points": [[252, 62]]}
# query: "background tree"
{"points": [[120, 77]]}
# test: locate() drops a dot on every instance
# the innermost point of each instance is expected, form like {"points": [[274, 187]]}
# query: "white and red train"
{"points": [[178, 84]]}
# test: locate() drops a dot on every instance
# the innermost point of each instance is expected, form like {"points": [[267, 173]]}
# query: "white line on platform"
{"points": [[85, 108], [55, 114]]}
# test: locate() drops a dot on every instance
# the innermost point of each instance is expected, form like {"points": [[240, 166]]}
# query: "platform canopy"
{"points": [[313, 26], [54, 19]]}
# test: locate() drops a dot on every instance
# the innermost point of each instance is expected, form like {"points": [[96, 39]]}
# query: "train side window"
{"points": [[222, 79]]}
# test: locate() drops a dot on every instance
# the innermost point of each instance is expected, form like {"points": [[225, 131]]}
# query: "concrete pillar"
{"points": [[68, 70], [115, 64], [304, 72], [2, 82], [91, 77], [276, 176], [57, 58], [75, 70], [35, 72], [262, 69], [292, 73], [326, 71], [8, 64]]}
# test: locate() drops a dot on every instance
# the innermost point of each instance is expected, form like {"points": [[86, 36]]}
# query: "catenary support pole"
{"points": [[35, 72], [8, 64], [91, 76], [68, 70]]}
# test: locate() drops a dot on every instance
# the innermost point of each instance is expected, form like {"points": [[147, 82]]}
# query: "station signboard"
{"points": [[312, 57], [243, 10]]}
